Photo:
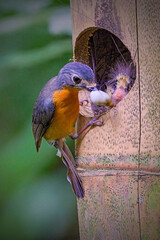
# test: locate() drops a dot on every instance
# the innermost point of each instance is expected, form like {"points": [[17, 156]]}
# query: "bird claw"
{"points": [[82, 101], [98, 123], [74, 136]]}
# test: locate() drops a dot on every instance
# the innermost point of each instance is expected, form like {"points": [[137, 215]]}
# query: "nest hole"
{"points": [[106, 54]]}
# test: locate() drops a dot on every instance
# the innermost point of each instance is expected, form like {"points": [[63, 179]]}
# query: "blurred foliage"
{"points": [[36, 201]]}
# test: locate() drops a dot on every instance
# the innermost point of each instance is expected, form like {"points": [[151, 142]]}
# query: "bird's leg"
{"points": [[94, 122]]}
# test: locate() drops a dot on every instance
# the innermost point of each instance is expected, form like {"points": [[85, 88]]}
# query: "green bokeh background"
{"points": [[36, 201]]}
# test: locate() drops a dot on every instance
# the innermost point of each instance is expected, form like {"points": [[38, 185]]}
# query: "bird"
{"points": [[56, 111], [121, 79]]}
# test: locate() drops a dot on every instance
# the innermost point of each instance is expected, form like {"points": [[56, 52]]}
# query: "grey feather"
{"points": [[43, 111], [72, 174]]}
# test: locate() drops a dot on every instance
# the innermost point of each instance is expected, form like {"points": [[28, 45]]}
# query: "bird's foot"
{"points": [[97, 122], [94, 122], [74, 136], [81, 102]]}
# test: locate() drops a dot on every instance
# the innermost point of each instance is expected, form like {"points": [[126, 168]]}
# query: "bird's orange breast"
{"points": [[65, 115]]}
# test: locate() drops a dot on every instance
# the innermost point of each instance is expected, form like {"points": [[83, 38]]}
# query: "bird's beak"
{"points": [[90, 87]]}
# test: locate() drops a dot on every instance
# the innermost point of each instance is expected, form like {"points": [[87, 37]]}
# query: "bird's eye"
{"points": [[76, 79], [114, 86]]}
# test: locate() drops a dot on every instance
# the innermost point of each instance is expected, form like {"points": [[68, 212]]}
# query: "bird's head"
{"points": [[78, 76]]}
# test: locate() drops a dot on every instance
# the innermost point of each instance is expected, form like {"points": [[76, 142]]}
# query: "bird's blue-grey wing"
{"points": [[43, 112]]}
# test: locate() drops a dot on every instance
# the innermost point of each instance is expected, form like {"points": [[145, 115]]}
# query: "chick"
{"points": [[121, 79]]}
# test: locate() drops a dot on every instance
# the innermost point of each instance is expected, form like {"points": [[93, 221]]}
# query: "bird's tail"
{"points": [[72, 175]]}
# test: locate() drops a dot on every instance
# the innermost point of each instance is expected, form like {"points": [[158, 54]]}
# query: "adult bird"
{"points": [[56, 111]]}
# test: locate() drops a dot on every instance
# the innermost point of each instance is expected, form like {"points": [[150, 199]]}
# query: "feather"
{"points": [[72, 175]]}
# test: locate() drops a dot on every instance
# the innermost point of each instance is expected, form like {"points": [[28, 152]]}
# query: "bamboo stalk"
{"points": [[120, 161]]}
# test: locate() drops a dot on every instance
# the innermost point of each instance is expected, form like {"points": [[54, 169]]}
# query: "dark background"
{"points": [[36, 200]]}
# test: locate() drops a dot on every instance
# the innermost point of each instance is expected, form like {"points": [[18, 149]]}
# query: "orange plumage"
{"points": [[66, 112]]}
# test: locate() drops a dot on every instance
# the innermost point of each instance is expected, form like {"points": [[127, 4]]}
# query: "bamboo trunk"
{"points": [[120, 161]]}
